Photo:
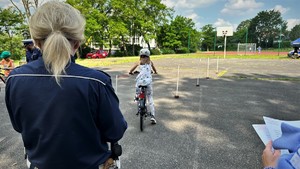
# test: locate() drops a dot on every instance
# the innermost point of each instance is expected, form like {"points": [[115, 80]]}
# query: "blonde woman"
{"points": [[144, 78], [66, 113]]}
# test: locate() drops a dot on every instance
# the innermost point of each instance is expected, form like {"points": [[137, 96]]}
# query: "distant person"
{"points": [[65, 113], [6, 63], [144, 78], [259, 49], [32, 52]]}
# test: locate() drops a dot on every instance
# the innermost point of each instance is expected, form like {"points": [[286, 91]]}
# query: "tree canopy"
{"points": [[121, 23]]}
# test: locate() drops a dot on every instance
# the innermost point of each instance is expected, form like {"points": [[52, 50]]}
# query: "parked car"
{"points": [[96, 54], [292, 55]]}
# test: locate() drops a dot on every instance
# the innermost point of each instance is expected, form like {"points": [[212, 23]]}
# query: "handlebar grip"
{"points": [[116, 150]]}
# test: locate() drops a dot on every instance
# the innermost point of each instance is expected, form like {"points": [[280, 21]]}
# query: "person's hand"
{"points": [[270, 158]]}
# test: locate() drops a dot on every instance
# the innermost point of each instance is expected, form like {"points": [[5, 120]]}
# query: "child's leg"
{"points": [[137, 90], [150, 99]]}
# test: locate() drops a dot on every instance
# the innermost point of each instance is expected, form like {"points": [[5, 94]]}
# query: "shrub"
{"points": [[137, 49], [155, 52], [165, 51], [193, 50], [13, 44], [182, 50], [83, 50]]}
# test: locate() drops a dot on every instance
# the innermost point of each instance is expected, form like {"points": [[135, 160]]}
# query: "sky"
{"points": [[223, 13]]}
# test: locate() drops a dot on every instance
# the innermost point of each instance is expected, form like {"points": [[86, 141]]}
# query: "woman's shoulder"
{"points": [[96, 74]]}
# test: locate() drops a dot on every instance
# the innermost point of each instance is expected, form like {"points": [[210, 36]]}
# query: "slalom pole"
{"points": [[176, 94], [217, 65], [116, 87], [198, 79], [207, 71]]}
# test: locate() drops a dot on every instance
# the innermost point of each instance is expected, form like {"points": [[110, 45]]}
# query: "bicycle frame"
{"points": [[2, 76]]}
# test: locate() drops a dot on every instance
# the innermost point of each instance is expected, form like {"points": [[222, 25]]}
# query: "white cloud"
{"points": [[281, 9], [221, 22], [193, 16], [169, 3], [241, 7], [187, 4], [292, 22]]}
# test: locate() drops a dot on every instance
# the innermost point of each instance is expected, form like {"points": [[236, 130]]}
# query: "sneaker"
{"points": [[153, 121], [135, 99]]}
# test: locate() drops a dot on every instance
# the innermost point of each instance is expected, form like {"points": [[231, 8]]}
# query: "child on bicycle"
{"points": [[144, 78], [6, 63]]}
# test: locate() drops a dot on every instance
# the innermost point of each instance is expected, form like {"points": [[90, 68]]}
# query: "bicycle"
{"points": [[142, 106]]}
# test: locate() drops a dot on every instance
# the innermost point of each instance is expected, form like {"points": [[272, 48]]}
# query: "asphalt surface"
{"points": [[207, 127]]}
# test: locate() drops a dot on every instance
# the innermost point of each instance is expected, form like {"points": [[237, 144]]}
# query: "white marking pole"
{"points": [[217, 65], [198, 79], [116, 84], [207, 71], [176, 94]]}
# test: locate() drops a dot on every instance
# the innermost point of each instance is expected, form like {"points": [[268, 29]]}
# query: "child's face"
{"points": [[144, 59], [144, 56]]}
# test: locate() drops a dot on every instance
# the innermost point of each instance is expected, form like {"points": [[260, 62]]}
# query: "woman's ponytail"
{"points": [[56, 54]]}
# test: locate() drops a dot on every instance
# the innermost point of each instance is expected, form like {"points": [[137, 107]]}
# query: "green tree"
{"points": [[10, 39], [295, 32], [266, 26], [179, 35], [241, 33], [208, 37], [150, 15]]}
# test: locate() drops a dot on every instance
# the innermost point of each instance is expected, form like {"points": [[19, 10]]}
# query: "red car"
{"points": [[97, 54]]}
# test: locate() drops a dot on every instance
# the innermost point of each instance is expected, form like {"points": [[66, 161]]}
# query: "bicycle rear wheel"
{"points": [[141, 121]]}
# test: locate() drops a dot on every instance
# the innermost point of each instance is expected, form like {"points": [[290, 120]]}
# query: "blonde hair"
{"points": [[58, 26]]}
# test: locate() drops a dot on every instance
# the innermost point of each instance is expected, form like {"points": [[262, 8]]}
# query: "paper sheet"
{"points": [[272, 130]]}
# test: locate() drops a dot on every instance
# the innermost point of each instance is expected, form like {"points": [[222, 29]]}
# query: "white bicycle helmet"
{"points": [[145, 52]]}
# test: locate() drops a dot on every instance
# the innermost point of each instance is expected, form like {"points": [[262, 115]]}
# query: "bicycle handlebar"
{"points": [[137, 72], [116, 150]]}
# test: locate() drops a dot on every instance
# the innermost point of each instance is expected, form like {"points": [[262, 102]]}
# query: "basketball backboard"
{"points": [[222, 31]]}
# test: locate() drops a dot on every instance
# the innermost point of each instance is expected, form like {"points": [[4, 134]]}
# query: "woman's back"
{"points": [[62, 124]]}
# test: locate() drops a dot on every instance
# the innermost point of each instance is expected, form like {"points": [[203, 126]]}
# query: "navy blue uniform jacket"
{"points": [[64, 126]]}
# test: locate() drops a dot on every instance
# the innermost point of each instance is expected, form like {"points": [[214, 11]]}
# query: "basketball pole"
{"points": [[225, 40]]}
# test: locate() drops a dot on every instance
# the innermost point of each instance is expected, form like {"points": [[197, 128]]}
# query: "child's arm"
{"points": [[132, 69], [153, 67], [12, 65]]}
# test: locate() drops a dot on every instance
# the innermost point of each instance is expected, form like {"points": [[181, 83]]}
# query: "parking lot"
{"points": [[208, 127]]}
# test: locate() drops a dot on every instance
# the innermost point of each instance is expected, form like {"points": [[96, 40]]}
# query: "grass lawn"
{"points": [[119, 60]]}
